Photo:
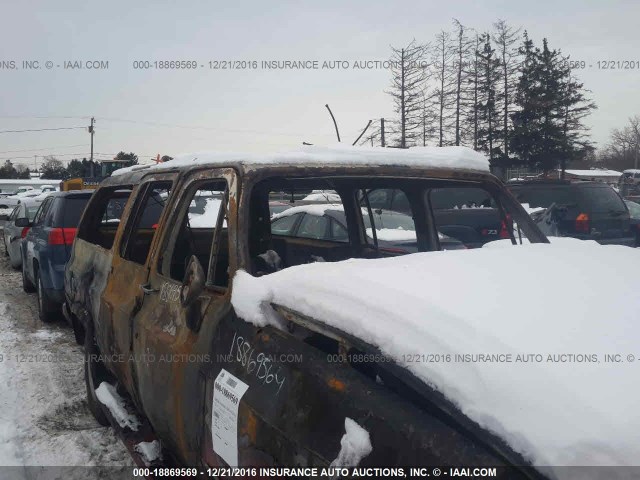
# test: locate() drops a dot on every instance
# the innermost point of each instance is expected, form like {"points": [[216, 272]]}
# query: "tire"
{"points": [[6, 250], [27, 286], [46, 308], [78, 331], [94, 374]]}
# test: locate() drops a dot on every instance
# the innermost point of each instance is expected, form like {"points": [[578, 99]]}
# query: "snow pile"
{"points": [[435, 157], [109, 397], [149, 451], [567, 300], [355, 444]]}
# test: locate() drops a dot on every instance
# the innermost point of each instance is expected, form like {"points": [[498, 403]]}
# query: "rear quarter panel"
{"points": [[85, 280]]}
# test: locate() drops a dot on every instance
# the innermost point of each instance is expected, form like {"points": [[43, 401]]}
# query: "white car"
{"points": [[13, 200]]}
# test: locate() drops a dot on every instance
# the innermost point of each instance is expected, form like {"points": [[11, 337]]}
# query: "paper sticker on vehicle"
{"points": [[227, 393]]}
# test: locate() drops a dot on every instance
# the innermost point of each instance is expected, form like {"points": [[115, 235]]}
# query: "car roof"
{"points": [[71, 193], [441, 161], [555, 183]]}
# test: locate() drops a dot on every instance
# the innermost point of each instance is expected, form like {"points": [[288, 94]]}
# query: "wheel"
{"points": [[27, 286], [94, 374], [78, 331], [46, 308]]}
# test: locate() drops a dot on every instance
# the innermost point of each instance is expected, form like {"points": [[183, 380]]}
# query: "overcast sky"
{"points": [[257, 109]]}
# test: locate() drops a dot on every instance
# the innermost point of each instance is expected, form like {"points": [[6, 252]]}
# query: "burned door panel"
{"points": [[172, 330], [294, 410]]}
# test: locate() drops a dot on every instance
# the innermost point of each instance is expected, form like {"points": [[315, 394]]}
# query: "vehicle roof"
{"points": [[555, 183], [445, 159], [71, 193]]}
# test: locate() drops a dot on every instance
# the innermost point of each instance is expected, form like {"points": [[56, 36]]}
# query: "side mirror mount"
{"points": [[193, 282], [23, 222]]}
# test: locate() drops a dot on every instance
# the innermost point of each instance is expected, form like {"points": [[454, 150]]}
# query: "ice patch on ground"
{"points": [[47, 335]]}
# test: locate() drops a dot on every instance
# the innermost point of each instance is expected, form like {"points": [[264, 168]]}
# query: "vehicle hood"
{"points": [[559, 308]]}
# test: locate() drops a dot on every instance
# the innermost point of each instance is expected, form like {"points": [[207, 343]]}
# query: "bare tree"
{"points": [[488, 112], [473, 86], [623, 150], [409, 67], [506, 39], [462, 49], [443, 96]]}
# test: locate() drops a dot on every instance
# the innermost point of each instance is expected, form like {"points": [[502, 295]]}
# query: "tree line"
{"points": [[53, 169], [494, 91]]}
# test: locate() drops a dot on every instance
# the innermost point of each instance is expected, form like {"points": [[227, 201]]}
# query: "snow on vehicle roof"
{"points": [[317, 209], [594, 173], [571, 302], [436, 157]]}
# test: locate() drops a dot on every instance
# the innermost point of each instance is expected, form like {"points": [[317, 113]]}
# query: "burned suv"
{"points": [[187, 379]]}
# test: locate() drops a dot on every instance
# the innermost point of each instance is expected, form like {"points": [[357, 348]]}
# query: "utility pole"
{"points": [[382, 132], [91, 132]]}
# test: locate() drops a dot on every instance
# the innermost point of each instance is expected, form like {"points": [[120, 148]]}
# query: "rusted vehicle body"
{"points": [[153, 299]]}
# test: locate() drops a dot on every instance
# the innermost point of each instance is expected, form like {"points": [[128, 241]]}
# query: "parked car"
{"points": [[137, 292], [394, 231], [13, 200], [47, 246], [15, 229], [629, 184], [634, 214], [465, 214], [584, 210]]}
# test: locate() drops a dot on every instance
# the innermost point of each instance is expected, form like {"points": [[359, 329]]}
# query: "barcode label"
{"points": [[231, 382]]}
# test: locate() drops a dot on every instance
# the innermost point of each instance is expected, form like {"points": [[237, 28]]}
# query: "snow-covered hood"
{"points": [[547, 313]]}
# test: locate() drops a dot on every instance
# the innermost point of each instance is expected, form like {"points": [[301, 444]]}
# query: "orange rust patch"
{"points": [[250, 426], [336, 384]]}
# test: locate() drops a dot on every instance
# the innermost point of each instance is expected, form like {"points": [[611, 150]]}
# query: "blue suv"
{"points": [[47, 246]]}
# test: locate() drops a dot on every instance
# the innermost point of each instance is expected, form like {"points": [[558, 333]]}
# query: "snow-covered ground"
{"points": [[44, 418]]}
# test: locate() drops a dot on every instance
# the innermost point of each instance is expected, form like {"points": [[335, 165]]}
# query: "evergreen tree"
{"points": [[75, 169], [127, 156], [525, 139], [575, 106], [8, 170]]}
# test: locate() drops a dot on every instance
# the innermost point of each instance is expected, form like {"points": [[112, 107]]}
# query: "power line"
{"points": [[46, 148], [41, 129], [199, 127], [41, 116]]}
